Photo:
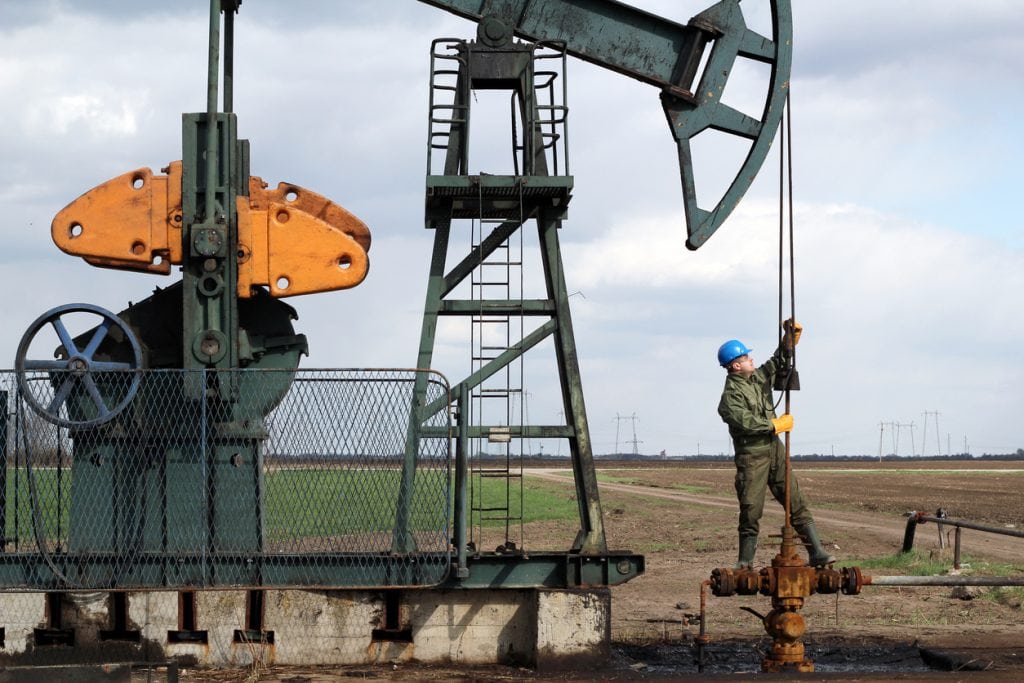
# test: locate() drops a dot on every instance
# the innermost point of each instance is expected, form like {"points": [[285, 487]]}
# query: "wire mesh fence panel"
{"points": [[191, 479]]}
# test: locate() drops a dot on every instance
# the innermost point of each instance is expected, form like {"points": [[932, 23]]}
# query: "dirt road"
{"points": [[883, 529]]}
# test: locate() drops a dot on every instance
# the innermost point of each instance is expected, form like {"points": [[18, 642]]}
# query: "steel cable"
{"points": [[786, 210]]}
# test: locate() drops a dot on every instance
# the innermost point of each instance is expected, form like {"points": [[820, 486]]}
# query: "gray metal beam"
{"points": [[529, 307], [610, 34], [944, 580], [26, 572], [515, 431], [503, 359]]}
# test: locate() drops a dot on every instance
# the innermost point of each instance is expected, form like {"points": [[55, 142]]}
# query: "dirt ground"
{"points": [[682, 518]]}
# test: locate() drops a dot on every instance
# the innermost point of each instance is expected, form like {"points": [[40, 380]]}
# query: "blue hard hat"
{"points": [[730, 351]]}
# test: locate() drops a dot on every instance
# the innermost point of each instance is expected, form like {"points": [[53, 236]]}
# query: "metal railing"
{"points": [[209, 479], [940, 518]]}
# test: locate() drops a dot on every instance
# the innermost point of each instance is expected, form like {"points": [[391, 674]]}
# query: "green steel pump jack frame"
{"points": [[217, 329], [669, 56], [215, 332], [631, 42]]}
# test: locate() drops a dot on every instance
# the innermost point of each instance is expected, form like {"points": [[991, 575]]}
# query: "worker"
{"points": [[748, 409]]}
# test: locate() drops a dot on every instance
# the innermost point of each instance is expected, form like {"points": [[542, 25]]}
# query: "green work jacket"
{"points": [[747, 404]]}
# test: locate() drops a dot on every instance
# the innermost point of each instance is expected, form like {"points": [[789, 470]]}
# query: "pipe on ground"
{"points": [[943, 581]]}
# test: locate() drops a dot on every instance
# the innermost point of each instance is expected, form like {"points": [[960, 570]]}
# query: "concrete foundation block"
{"points": [[21, 614], [573, 628], [332, 627], [472, 627], [543, 628]]}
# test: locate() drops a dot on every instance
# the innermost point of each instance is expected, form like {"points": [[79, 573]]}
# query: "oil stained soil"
{"points": [[744, 657], [727, 660]]}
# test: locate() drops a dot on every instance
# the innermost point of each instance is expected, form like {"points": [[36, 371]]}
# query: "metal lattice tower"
{"points": [[502, 319]]}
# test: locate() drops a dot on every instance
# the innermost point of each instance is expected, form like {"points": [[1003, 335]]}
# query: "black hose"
{"points": [[33, 497]]}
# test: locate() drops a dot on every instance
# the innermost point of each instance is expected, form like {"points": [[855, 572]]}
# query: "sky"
{"points": [[909, 242]]}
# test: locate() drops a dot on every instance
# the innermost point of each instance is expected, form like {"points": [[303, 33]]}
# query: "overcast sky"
{"points": [[909, 239]]}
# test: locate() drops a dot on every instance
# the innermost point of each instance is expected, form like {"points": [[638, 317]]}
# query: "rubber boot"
{"points": [[817, 555], [748, 544]]}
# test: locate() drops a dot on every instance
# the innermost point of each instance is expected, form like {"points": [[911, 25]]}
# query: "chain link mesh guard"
{"points": [[209, 479]]}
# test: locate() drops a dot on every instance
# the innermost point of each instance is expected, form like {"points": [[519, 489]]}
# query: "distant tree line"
{"points": [[814, 457]]}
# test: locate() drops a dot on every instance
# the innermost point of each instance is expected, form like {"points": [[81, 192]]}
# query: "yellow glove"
{"points": [[783, 424], [793, 331]]}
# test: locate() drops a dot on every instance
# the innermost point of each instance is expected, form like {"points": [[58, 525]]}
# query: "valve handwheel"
{"points": [[74, 374]]}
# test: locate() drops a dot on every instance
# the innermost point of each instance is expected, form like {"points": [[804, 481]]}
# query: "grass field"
{"points": [[314, 502]]}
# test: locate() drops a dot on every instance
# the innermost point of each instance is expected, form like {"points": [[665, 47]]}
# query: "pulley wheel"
{"points": [[91, 389]]}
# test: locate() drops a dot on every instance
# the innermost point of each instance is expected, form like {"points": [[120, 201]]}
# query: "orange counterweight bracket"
{"points": [[291, 240], [296, 241], [131, 222]]}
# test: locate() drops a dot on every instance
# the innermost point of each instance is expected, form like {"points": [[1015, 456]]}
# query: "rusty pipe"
{"points": [[915, 518], [702, 638], [920, 518]]}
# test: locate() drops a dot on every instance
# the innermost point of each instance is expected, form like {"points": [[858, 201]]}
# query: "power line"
{"points": [[899, 430], [895, 431], [924, 431], [634, 441], [881, 436]]}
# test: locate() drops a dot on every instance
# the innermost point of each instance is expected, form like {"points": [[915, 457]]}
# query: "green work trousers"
{"points": [[762, 467]]}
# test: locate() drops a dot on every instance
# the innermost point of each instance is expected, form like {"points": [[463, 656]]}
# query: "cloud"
{"points": [[648, 251], [915, 33], [909, 241], [914, 120], [902, 316], [97, 115]]}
